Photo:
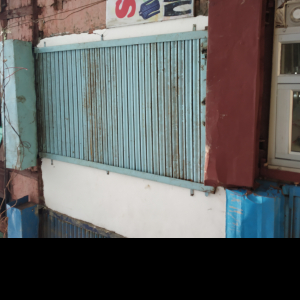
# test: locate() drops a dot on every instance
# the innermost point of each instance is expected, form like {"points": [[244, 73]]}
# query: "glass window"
{"points": [[290, 59], [296, 123]]}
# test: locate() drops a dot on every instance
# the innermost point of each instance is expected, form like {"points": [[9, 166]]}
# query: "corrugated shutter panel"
{"points": [[136, 106]]}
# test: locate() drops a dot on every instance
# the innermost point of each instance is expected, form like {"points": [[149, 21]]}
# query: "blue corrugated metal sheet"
{"points": [[272, 211], [138, 106], [56, 225], [23, 219]]}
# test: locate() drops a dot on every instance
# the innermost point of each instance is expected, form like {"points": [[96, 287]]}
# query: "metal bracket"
{"points": [[51, 162], [195, 27], [107, 172], [192, 193], [102, 37], [44, 44]]}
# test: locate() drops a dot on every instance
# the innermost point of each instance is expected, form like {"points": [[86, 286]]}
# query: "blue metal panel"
{"points": [[56, 225], [271, 211], [19, 113], [134, 106], [23, 220]]}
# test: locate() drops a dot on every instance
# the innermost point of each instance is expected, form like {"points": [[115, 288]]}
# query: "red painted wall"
{"points": [[234, 86]]}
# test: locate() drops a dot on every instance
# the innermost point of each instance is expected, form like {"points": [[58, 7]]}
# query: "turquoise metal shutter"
{"points": [[132, 106]]}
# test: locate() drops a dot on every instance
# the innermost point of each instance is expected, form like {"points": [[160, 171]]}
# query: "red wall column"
{"points": [[234, 86]]}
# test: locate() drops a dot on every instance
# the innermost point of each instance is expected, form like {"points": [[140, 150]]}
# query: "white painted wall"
{"points": [[131, 206]]}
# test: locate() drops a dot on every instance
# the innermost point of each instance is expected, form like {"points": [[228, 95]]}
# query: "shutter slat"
{"points": [[135, 79], [71, 102], [168, 108], [161, 105], [125, 107], [99, 120], [79, 103], [203, 109], [104, 107], [53, 98], [46, 106], [57, 103], [84, 107], [188, 106], [196, 112], [154, 108], [130, 107], [148, 105], [142, 107], [66, 102], [120, 107], [114, 107], [94, 100], [181, 110], [175, 127], [108, 107], [75, 87]]}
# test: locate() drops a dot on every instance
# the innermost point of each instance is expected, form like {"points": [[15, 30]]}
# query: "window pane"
{"points": [[296, 123], [290, 59]]}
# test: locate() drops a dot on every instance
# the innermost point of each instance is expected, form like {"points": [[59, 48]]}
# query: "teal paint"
{"points": [[136, 107], [20, 111]]}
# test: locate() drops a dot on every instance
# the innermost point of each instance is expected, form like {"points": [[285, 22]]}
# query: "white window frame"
{"points": [[280, 155]]}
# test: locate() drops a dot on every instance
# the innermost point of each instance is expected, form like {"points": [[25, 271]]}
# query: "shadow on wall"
{"points": [[201, 7]]}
